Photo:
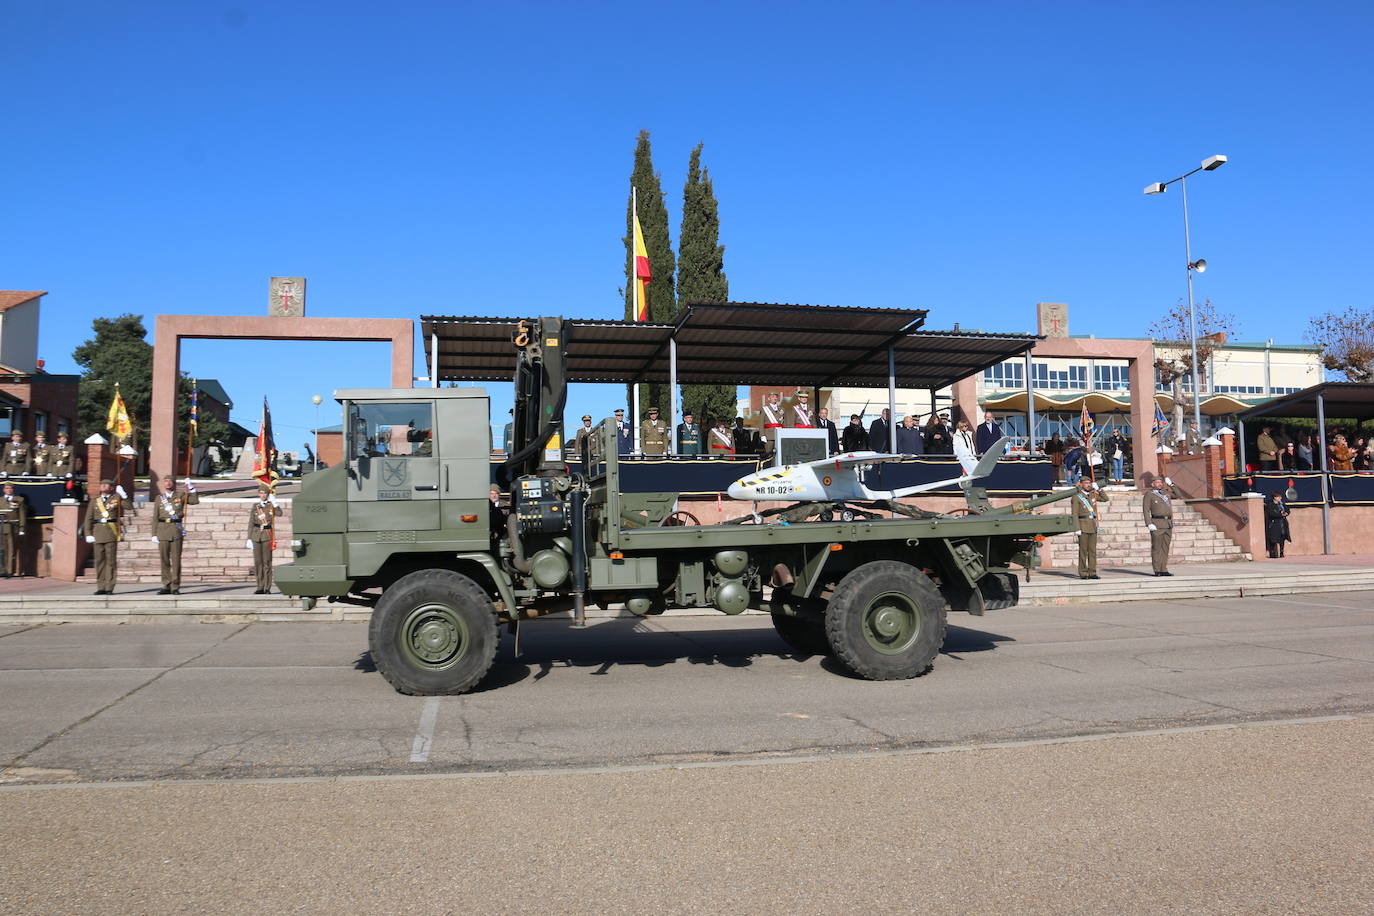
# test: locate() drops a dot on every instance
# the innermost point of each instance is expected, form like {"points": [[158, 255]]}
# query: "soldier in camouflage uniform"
{"points": [[262, 537], [169, 531], [18, 456], [653, 435], [14, 520], [101, 528]]}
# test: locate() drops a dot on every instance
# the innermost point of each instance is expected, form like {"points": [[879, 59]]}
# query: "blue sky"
{"points": [[453, 158]]}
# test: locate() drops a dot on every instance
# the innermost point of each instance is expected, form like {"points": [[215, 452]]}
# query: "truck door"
{"points": [[393, 466]]}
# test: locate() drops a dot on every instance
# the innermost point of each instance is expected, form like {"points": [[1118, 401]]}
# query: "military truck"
{"points": [[408, 525]]}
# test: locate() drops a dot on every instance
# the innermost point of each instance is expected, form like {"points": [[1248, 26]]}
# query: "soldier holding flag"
{"points": [[262, 536], [169, 530]]}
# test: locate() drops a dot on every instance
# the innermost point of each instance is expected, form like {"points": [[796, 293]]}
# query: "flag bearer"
{"points": [[1086, 513], [262, 537], [101, 528], [169, 530]]}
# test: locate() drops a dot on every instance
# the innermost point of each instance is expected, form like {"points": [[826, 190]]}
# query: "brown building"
{"points": [[30, 399]]}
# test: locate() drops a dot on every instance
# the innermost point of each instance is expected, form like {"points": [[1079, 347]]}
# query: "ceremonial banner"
{"points": [[117, 420], [265, 459], [642, 272]]}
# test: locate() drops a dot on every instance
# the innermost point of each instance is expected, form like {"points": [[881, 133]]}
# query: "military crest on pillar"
{"points": [[286, 297]]}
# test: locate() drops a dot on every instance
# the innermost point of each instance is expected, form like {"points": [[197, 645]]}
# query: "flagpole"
{"points": [[634, 281], [191, 429]]}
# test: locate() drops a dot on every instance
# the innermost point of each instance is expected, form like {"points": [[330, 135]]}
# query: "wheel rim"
{"points": [[434, 636], [891, 623]]}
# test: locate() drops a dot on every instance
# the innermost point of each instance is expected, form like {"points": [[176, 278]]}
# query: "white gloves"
{"points": [[1096, 485], [1076, 533], [21, 530], [119, 488], [272, 498], [1169, 481], [90, 539], [1151, 527], [190, 487], [248, 543], [153, 539]]}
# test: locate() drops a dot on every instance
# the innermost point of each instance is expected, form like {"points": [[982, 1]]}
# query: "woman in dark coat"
{"points": [[1275, 525]]}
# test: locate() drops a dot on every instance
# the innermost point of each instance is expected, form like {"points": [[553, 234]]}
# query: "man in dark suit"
{"points": [[624, 436], [745, 439], [879, 439], [832, 435], [909, 440], [987, 434], [855, 437]]}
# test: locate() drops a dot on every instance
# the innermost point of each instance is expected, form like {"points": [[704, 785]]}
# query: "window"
{"points": [[40, 422], [1067, 378], [393, 430], [1111, 378], [1010, 374]]}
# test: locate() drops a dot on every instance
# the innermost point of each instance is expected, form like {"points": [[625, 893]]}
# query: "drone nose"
{"points": [[738, 490]]}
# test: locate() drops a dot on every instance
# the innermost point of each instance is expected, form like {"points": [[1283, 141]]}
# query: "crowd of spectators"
{"points": [[1282, 448]]}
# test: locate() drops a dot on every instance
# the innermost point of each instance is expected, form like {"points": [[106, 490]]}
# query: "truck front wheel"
{"points": [[886, 621], [433, 632]]}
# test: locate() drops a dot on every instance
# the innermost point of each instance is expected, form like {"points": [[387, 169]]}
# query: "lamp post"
{"points": [[1210, 164], [316, 399]]}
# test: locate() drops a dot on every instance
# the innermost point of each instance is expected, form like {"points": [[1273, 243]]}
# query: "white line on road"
{"points": [[424, 738], [1306, 604]]}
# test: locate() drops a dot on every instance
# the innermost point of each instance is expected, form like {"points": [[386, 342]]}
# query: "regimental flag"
{"points": [[1086, 425], [1161, 422], [642, 272], [265, 459], [195, 414], [117, 420]]}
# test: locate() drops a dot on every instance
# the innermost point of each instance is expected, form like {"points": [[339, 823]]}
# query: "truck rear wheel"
{"points": [[433, 632], [886, 621]]}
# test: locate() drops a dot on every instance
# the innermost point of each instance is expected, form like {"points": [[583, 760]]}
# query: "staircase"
{"points": [[1123, 539], [212, 552]]}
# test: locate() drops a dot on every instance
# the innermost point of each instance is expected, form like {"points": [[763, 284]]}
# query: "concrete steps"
{"points": [[1123, 539], [1248, 581]]}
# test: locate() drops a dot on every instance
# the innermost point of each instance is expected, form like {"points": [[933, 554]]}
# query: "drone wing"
{"points": [[857, 459]]}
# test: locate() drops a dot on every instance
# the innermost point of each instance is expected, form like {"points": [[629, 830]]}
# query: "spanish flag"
{"points": [[642, 273], [265, 459], [117, 420]]}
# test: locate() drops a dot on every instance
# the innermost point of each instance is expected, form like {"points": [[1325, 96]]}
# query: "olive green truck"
{"points": [[407, 524]]}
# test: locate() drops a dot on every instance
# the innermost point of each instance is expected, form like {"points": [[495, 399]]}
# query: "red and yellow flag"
{"points": [[642, 274], [117, 420], [265, 458]]}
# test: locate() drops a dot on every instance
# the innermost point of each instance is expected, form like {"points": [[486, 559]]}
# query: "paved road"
{"points": [[92, 702]]}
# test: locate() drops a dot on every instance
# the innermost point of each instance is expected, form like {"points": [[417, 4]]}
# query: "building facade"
{"points": [[31, 400]]}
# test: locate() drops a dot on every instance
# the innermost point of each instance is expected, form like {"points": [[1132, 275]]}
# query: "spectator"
{"points": [[1055, 450], [854, 438], [1342, 455], [1304, 450], [746, 440], [909, 437], [1288, 458], [937, 436], [832, 436], [1116, 451], [1360, 461], [1268, 450], [963, 446], [878, 438], [1073, 462], [1276, 525], [988, 433]]}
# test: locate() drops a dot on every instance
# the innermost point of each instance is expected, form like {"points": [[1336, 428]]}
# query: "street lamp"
{"points": [[1210, 164], [316, 400]]}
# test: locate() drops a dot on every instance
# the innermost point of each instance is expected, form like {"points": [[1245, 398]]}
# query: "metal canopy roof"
{"points": [[1343, 400], [735, 343]]}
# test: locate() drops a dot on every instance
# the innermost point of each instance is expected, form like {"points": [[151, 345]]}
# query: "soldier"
{"points": [[800, 415], [101, 528], [1194, 438], [169, 530], [583, 432], [688, 436], [508, 433], [1085, 513], [722, 442], [61, 458], [18, 456], [262, 537], [653, 435], [1159, 521], [772, 412], [624, 438], [14, 519], [39, 454]]}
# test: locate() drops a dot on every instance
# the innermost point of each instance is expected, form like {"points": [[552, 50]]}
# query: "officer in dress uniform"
{"points": [[262, 537], [772, 414], [721, 441], [832, 435], [169, 531], [624, 437], [583, 432], [1159, 521], [18, 456], [1086, 514], [800, 415], [14, 520], [688, 436], [101, 529], [653, 434], [61, 458], [40, 454]]}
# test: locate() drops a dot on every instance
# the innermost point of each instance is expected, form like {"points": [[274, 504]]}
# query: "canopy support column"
{"points": [[1240, 438], [1326, 475], [1030, 409], [892, 398], [672, 395], [433, 361]]}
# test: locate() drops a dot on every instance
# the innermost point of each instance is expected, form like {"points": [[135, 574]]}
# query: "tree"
{"points": [[701, 276], [119, 353], [1174, 367], [653, 219], [1347, 342]]}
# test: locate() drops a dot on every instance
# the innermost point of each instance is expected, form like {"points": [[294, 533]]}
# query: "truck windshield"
{"points": [[391, 430]]}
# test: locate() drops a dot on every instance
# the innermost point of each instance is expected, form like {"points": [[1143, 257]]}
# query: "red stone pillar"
{"points": [[1211, 451], [1141, 374], [1228, 450], [102, 463], [965, 393], [69, 548]]}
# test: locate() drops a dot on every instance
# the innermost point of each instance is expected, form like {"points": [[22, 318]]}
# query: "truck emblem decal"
{"points": [[393, 473]]}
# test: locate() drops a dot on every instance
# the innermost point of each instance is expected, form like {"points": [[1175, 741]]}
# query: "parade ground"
{"points": [[1198, 755]]}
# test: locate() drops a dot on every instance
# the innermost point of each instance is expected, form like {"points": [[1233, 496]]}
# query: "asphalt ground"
{"points": [[1201, 757]]}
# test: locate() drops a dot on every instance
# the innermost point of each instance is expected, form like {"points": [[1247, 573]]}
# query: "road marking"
{"points": [[1306, 604], [781, 760], [424, 738]]}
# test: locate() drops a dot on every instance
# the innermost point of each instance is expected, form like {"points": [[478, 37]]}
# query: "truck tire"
{"points": [[886, 621], [433, 632], [803, 632]]}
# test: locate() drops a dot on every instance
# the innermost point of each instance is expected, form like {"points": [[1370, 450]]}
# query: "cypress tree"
{"points": [[653, 219], [701, 277]]}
